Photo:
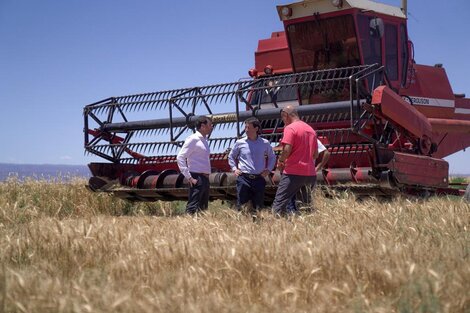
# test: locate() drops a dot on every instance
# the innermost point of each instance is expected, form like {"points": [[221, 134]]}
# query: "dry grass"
{"points": [[64, 249]]}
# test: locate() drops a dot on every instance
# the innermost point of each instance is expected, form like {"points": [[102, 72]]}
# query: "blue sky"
{"points": [[57, 56]]}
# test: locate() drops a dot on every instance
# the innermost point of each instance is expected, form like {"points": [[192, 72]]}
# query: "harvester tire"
{"points": [[466, 196]]}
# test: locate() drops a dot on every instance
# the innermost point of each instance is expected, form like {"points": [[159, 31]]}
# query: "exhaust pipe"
{"points": [[404, 7]]}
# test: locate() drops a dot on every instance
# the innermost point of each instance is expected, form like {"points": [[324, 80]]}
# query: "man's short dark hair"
{"points": [[202, 120], [255, 122]]}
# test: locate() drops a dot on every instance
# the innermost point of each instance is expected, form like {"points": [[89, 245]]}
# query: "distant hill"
{"points": [[459, 175], [42, 171]]}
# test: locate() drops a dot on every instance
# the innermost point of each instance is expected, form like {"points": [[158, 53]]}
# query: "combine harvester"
{"points": [[350, 68]]}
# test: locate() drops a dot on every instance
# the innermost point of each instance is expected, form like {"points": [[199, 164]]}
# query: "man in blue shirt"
{"points": [[251, 159]]}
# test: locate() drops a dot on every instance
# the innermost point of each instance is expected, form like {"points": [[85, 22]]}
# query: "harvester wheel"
{"points": [[425, 145]]}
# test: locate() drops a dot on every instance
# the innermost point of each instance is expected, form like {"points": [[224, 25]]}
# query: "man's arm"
{"points": [[271, 160], [271, 157], [183, 155], [286, 151], [324, 160], [315, 154], [286, 142], [317, 149], [233, 159], [323, 152]]}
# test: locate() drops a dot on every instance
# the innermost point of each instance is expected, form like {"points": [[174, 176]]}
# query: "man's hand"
{"points": [[192, 181], [265, 173], [237, 172], [280, 166]]}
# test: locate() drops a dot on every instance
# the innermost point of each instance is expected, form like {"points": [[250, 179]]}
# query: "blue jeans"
{"points": [[288, 187], [249, 189]]}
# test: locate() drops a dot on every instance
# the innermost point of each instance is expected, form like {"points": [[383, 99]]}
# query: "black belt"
{"points": [[200, 174], [251, 176]]}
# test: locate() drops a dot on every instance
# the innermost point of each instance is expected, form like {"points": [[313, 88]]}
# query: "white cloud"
{"points": [[14, 160]]}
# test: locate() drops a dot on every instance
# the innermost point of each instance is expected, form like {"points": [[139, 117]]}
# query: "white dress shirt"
{"points": [[321, 147], [194, 156]]}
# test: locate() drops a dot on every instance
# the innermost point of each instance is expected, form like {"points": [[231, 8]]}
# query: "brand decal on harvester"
{"points": [[444, 103]]}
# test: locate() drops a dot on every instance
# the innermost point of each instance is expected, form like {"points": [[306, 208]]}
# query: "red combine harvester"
{"points": [[349, 67]]}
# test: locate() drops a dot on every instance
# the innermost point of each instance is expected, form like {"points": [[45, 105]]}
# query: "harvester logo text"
{"points": [[415, 100], [444, 103]]}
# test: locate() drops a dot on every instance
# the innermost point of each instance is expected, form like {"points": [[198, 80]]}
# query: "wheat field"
{"points": [[65, 249]]}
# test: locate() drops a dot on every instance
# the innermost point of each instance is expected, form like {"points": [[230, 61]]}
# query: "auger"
{"points": [[347, 65]]}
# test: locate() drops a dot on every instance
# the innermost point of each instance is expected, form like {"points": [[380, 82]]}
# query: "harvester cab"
{"points": [[347, 66], [337, 34]]}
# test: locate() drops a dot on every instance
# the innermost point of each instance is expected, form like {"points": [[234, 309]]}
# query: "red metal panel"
{"points": [[436, 112], [462, 103], [429, 82], [450, 126], [273, 51], [401, 112], [419, 170], [451, 143], [462, 109]]}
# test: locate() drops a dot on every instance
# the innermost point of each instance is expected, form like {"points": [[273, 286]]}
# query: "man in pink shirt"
{"points": [[297, 160]]}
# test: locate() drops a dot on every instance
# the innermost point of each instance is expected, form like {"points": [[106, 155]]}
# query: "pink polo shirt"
{"points": [[303, 140]]}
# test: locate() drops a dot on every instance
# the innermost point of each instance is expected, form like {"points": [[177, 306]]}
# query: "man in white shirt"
{"points": [[194, 163]]}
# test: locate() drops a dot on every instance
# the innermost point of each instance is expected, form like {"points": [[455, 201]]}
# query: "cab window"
{"points": [[370, 41], [391, 54]]}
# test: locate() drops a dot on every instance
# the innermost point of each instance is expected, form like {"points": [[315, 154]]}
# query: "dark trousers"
{"points": [[251, 189], [288, 187], [198, 198], [292, 204]]}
